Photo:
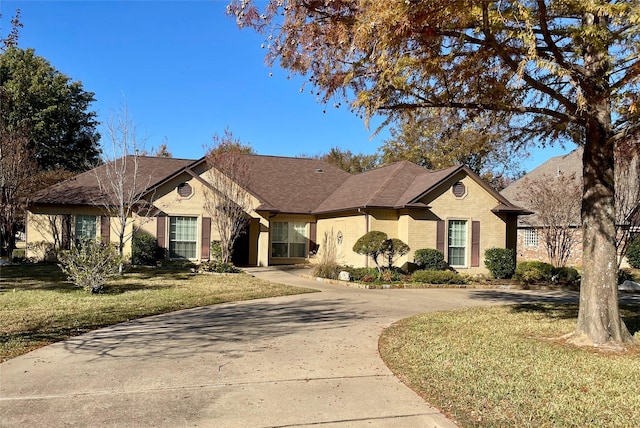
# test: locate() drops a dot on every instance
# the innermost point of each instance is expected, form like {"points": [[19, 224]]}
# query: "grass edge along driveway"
{"points": [[502, 366]]}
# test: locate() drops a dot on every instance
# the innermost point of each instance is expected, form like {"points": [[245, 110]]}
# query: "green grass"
{"points": [[502, 366], [38, 307]]}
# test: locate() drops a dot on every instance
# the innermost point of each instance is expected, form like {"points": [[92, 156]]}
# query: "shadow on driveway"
{"points": [[218, 327]]}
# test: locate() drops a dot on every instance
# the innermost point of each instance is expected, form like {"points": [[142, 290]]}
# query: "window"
{"points": [[183, 237], [457, 238], [288, 239], [184, 190], [85, 227], [459, 189], [531, 237]]}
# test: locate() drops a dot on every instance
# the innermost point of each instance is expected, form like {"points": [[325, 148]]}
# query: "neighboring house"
{"points": [[530, 244], [296, 204]]}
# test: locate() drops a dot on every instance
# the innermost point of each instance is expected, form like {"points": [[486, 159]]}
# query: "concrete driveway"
{"points": [[307, 360]]}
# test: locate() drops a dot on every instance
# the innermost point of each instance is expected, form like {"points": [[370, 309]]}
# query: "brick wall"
{"points": [[527, 252]]}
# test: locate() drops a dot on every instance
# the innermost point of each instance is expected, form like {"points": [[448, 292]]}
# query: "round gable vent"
{"points": [[184, 190], [459, 189]]}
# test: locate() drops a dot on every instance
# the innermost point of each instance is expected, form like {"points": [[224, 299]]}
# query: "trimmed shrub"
{"points": [[90, 264], [217, 267], [360, 274], [438, 277], [530, 272], [566, 275], [145, 250], [633, 253], [429, 259], [624, 275], [501, 262]]}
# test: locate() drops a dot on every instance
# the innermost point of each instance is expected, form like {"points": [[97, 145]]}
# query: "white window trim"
{"points": [[197, 240], [530, 236], [467, 243]]}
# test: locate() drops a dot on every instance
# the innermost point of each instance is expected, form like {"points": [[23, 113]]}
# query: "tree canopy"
{"points": [[554, 70], [51, 109]]}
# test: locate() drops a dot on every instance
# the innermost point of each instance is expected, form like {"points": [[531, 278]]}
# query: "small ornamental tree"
{"points": [[393, 248], [371, 244], [90, 264], [226, 198]]}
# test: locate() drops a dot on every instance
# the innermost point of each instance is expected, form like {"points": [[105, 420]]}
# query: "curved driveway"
{"points": [[305, 360]]}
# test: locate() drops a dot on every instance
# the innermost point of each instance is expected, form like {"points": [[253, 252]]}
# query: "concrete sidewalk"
{"points": [[292, 361]]}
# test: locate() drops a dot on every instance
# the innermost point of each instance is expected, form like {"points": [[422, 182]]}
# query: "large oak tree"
{"points": [[556, 69]]}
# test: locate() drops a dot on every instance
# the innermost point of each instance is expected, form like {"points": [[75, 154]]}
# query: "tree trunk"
{"points": [[599, 315]]}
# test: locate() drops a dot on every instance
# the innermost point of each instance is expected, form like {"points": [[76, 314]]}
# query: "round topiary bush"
{"points": [[633, 253], [501, 262], [429, 259]]}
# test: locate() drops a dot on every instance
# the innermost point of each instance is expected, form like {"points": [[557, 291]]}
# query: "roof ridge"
{"points": [[397, 167]]}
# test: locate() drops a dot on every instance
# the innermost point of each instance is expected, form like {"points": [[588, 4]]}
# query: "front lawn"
{"points": [[38, 307], [502, 366]]}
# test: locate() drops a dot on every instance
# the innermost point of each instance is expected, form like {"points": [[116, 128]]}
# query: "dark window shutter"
{"points": [[313, 232], [440, 236], [105, 229], [66, 232], [206, 238], [161, 231], [475, 243]]}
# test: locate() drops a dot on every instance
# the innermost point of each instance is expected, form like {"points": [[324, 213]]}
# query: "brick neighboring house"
{"points": [[295, 203], [529, 243]]}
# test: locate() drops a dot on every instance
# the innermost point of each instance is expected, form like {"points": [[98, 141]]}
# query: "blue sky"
{"points": [[186, 72]]}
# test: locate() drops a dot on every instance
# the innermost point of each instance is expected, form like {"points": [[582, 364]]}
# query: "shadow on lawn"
{"points": [[561, 304], [49, 276], [630, 313]]}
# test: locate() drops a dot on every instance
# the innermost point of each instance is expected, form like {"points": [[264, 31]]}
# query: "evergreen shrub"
{"points": [[429, 259], [501, 262], [633, 253], [533, 271], [438, 277], [145, 250]]}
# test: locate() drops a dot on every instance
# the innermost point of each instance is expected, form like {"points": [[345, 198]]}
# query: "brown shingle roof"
{"points": [[568, 165], [292, 185], [284, 184], [83, 189]]}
